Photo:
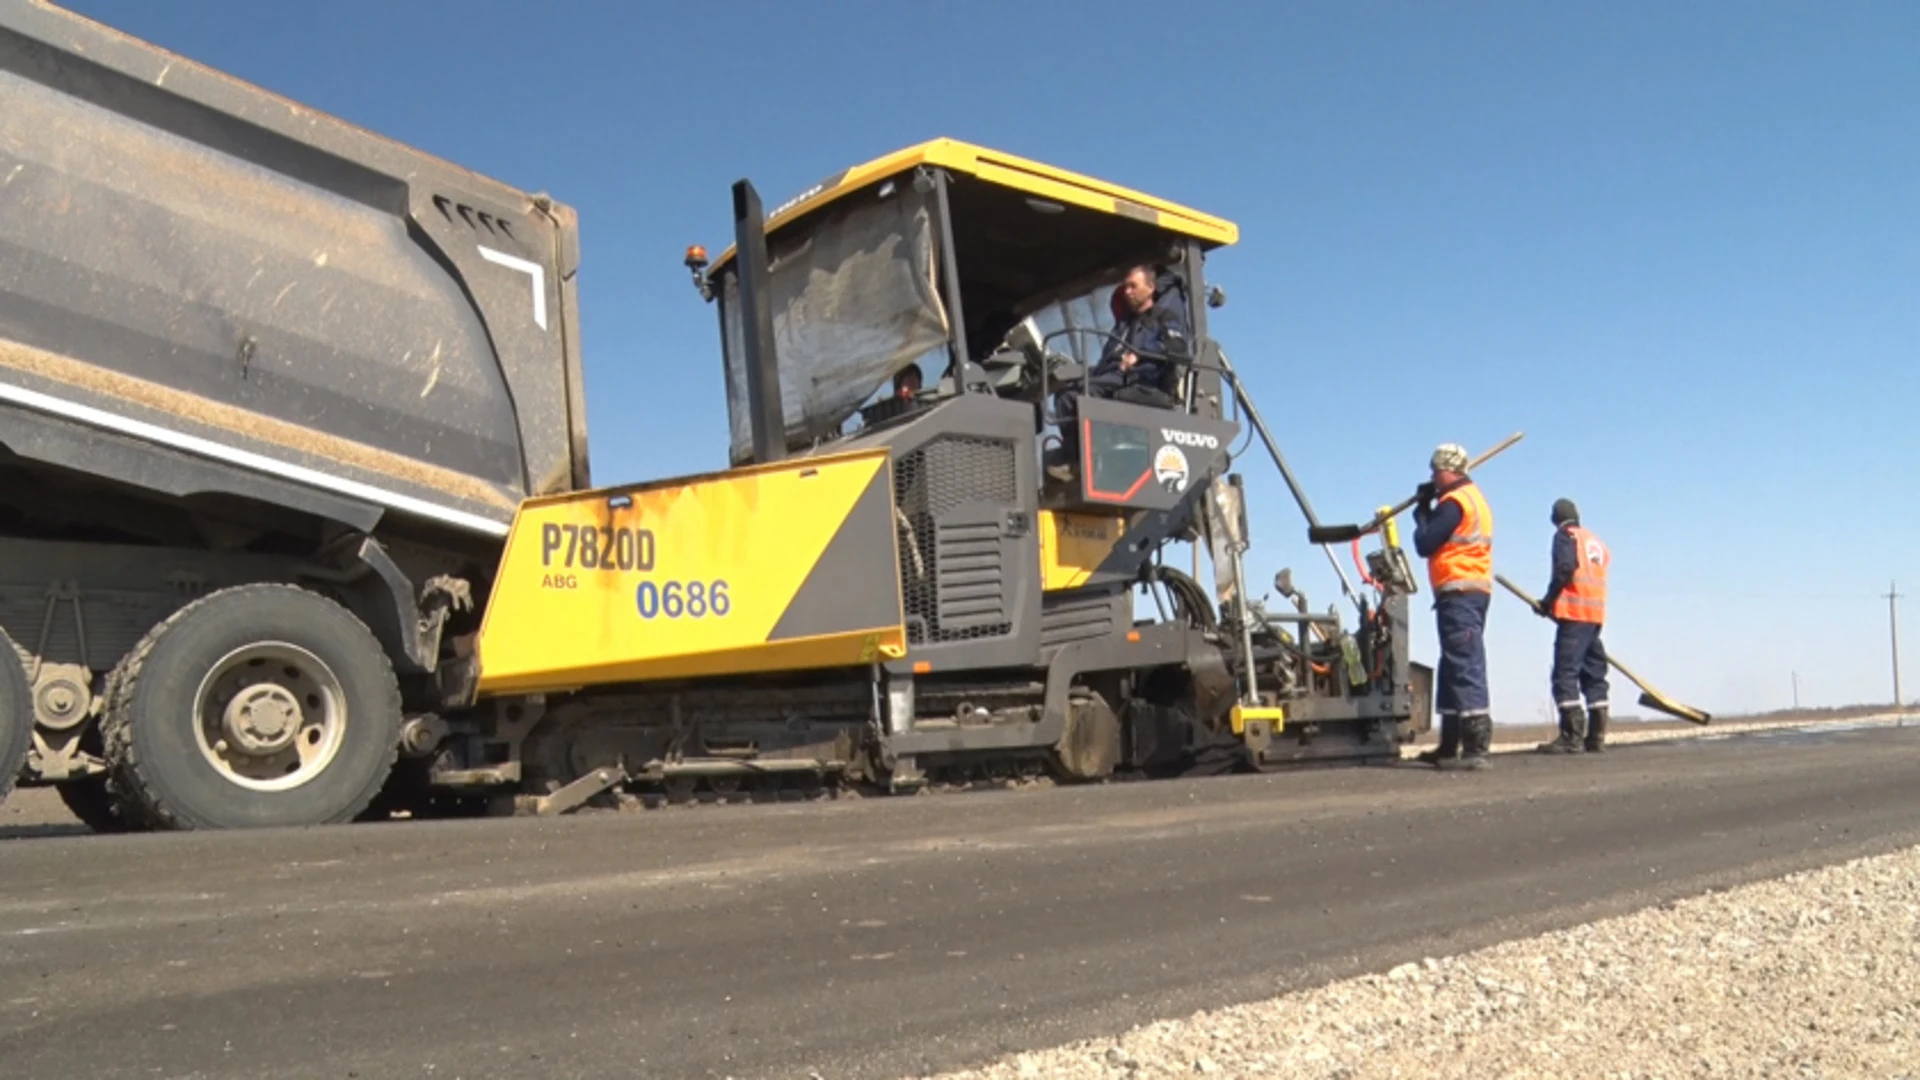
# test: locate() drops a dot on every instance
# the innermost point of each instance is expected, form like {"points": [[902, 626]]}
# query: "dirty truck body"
{"points": [[301, 528], [246, 346]]}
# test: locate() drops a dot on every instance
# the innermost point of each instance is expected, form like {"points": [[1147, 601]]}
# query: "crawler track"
{"points": [[696, 792]]}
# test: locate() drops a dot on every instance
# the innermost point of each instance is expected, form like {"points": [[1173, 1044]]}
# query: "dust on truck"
{"points": [[272, 389]]}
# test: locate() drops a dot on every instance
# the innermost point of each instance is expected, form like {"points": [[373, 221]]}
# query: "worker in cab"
{"points": [[1454, 533], [1576, 601], [1149, 338], [1140, 364], [906, 382]]}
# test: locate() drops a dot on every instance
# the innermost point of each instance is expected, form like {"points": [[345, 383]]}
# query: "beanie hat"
{"points": [[1450, 457]]}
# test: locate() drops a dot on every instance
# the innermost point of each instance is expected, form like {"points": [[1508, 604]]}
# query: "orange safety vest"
{"points": [[1465, 562], [1585, 598]]}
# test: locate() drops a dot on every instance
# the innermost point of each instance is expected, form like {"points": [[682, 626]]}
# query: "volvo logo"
{"points": [[1190, 438], [1171, 469]]}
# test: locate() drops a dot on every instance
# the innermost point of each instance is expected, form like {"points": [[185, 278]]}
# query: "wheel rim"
{"points": [[270, 716]]}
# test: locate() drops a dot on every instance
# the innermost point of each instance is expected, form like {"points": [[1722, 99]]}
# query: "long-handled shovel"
{"points": [[1342, 534], [1649, 697]]}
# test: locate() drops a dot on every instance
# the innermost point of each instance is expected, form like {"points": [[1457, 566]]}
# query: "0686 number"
{"points": [[682, 600]]}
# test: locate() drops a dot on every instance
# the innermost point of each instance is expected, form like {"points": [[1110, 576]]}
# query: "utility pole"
{"points": [[1796, 691], [1893, 630]]}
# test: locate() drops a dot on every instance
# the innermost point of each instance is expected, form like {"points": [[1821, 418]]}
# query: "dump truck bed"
{"points": [[206, 288]]}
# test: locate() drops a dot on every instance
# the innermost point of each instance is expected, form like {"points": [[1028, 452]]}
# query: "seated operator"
{"points": [[1138, 364], [906, 382]]}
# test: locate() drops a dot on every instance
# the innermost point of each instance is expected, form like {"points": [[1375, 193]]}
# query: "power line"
{"points": [[1893, 633]]}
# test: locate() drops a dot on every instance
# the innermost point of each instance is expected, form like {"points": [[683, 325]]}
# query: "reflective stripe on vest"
{"points": [[1585, 598], [1465, 561]]}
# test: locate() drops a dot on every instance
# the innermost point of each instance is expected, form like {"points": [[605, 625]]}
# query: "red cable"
{"points": [[1358, 565]]}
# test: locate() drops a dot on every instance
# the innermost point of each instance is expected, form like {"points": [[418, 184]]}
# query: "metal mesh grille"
{"points": [[952, 495]]}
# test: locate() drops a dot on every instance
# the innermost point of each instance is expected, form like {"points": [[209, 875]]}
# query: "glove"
{"points": [[1541, 609], [1424, 492]]}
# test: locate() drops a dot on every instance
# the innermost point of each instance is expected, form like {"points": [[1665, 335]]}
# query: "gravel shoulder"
{"points": [[1815, 974]]}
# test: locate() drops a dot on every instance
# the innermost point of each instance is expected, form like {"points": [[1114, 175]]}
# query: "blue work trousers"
{"points": [[1462, 677], [1579, 665]]}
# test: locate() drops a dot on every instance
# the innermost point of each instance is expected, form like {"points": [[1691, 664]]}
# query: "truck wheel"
{"points": [[16, 716], [262, 705]]}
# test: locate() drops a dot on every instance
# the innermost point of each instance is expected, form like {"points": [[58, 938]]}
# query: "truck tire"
{"points": [[16, 716], [256, 706]]}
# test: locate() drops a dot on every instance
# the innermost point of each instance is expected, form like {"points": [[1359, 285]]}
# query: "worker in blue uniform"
{"points": [[1138, 363], [1576, 601], [1454, 533]]}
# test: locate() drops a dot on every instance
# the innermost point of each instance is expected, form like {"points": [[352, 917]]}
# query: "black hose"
{"points": [[1190, 602]]}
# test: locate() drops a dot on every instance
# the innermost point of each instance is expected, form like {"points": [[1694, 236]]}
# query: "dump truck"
{"points": [[301, 528], [259, 370]]}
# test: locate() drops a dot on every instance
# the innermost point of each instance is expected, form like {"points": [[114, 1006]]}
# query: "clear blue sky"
{"points": [[1677, 245]]}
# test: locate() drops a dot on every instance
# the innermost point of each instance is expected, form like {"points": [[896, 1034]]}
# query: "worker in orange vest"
{"points": [[1454, 533], [1576, 600]]}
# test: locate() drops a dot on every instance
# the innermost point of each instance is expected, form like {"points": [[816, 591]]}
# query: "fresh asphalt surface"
{"points": [[869, 938]]}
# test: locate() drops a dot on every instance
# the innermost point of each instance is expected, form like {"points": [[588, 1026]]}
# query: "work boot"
{"points": [[1476, 739], [1449, 743], [1059, 461], [1573, 729], [1597, 731]]}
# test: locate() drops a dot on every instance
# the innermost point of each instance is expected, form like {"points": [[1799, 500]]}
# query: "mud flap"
{"points": [[1165, 741]]}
